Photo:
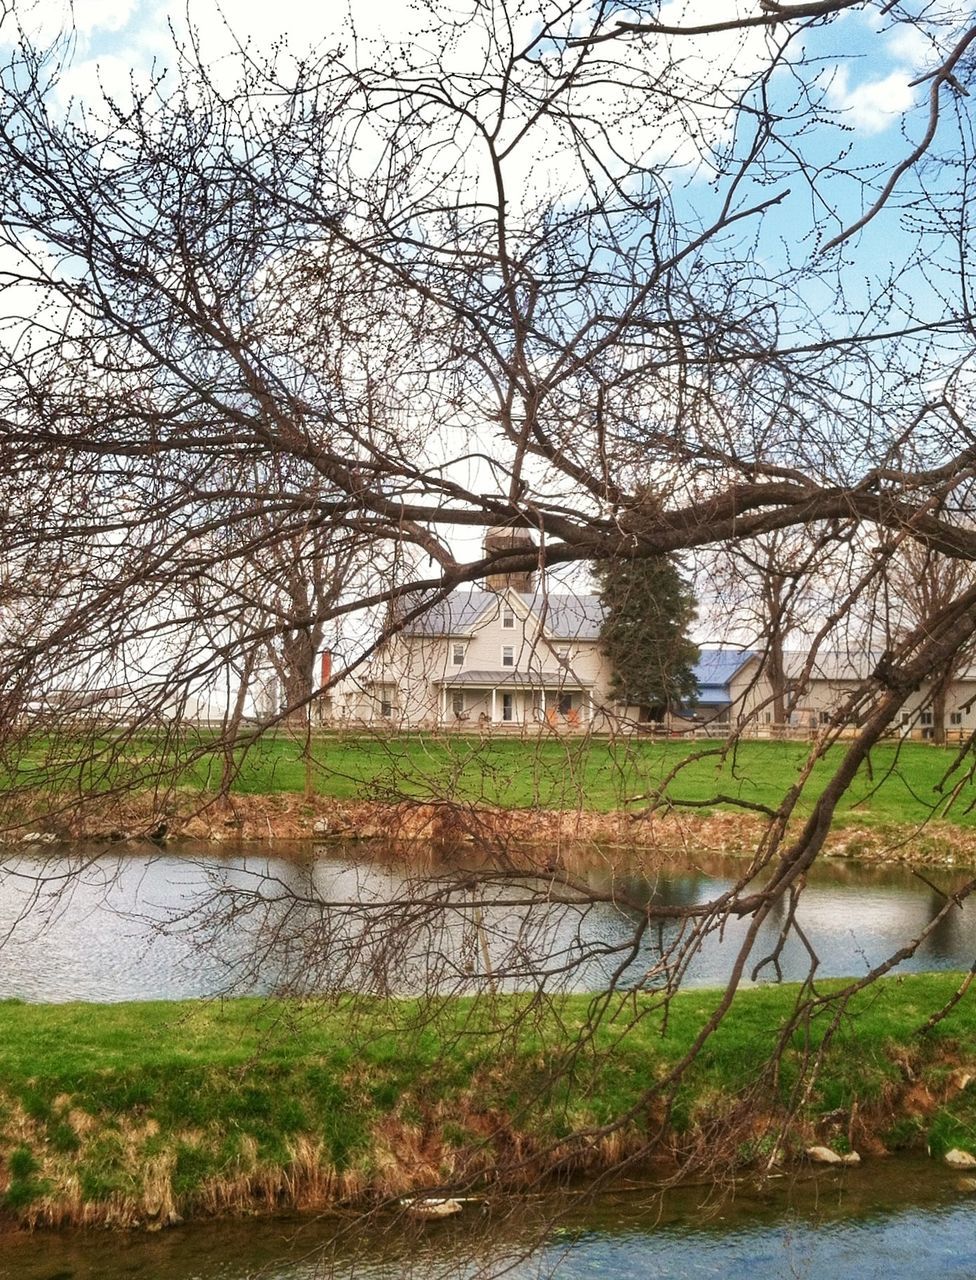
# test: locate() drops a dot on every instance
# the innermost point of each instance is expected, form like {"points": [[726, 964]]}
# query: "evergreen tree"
{"points": [[648, 608]]}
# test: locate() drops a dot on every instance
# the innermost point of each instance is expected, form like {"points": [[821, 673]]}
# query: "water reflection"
{"points": [[93, 924]]}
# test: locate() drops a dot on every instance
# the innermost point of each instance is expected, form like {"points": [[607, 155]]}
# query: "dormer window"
{"points": [[457, 655], [508, 655], [508, 618]]}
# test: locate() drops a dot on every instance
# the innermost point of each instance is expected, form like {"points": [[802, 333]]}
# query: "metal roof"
{"points": [[524, 679], [713, 693], [716, 667], [564, 616], [454, 616], [844, 665], [833, 664]]}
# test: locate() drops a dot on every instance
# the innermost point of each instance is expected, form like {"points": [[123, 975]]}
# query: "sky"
{"points": [[871, 87], [867, 78]]}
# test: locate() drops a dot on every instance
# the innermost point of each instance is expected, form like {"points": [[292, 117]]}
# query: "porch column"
{"points": [[443, 704], [493, 692]]}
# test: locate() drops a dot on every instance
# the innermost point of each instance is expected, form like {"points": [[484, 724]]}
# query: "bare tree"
{"points": [[769, 595], [515, 284], [923, 583]]}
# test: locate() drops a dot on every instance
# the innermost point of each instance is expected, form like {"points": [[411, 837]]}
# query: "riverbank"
{"points": [[491, 793], [892, 1218], [662, 837], [141, 1115]]}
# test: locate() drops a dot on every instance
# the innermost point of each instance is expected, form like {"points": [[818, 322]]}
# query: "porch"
{"points": [[514, 699]]}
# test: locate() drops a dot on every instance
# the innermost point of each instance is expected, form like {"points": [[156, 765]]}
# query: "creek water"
{"points": [[89, 923], [900, 1219]]}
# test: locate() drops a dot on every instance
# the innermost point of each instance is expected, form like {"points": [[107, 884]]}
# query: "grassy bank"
{"points": [[142, 1113], [903, 783]]}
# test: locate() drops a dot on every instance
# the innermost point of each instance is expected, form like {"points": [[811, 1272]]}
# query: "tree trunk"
{"points": [[777, 677], [940, 695], [309, 789], [775, 668], [232, 726], [298, 675]]}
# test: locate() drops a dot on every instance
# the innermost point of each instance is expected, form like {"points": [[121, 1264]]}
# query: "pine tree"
{"points": [[648, 608]]}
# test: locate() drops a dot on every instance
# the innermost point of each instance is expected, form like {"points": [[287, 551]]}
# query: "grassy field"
{"points": [[904, 782], [138, 1111]]}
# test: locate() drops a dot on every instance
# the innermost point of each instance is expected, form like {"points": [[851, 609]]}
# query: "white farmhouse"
{"points": [[512, 660], [497, 656], [516, 655]]}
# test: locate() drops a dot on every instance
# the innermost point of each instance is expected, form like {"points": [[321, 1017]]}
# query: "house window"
{"points": [[457, 704], [457, 655], [955, 717], [508, 655], [508, 706], [565, 704], [825, 717], [508, 618], [386, 708], [926, 717], [905, 719]]}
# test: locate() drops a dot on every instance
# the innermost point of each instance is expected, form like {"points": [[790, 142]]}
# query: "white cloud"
{"points": [[102, 15], [302, 25], [110, 75], [652, 102], [907, 45], [47, 20], [873, 105]]}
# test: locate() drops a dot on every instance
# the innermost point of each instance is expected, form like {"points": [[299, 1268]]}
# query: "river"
{"points": [[901, 1219], [90, 923]]}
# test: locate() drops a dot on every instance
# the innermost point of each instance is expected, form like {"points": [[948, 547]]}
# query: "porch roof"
{"points": [[520, 679], [713, 695]]}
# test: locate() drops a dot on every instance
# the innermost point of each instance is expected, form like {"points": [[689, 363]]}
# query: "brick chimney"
{"points": [[505, 538]]}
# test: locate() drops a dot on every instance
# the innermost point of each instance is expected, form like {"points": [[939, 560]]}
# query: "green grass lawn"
{"points": [[157, 1057], [105, 1097], [905, 783]]}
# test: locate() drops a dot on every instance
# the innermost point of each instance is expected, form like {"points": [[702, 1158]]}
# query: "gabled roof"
{"points": [[832, 664], [851, 665], [564, 616], [455, 616]]}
